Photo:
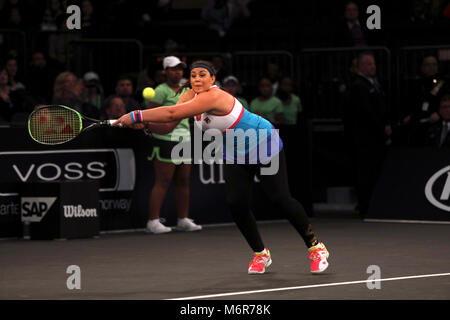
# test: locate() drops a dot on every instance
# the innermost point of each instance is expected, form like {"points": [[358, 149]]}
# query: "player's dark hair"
{"points": [[187, 84]]}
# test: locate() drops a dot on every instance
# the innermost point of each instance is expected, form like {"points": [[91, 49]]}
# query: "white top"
{"points": [[207, 120]]}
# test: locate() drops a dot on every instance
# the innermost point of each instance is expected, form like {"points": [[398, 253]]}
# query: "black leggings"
{"points": [[239, 179]]}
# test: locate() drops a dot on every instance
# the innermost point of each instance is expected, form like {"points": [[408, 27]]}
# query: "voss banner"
{"points": [[113, 169], [414, 185]]}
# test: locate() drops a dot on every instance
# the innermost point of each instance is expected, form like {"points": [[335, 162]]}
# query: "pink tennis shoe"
{"points": [[318, 255], [261, 260]]}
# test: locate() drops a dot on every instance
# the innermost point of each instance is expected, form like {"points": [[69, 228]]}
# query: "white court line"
{"points": [[310, 286]]}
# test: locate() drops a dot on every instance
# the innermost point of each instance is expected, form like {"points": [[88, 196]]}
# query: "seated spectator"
{"points": [[144, 79], [220, 69], [231, 84], [274, 74], [69, 91], [221, 14], [53, 10], [439, 132], [115, 108], [350, 32], [291, 102], [12, 68], [90, 25], [9, 100], [40, 77], [12, 15], [266, 105], [124, 89], [58, 41], [94, 89]]}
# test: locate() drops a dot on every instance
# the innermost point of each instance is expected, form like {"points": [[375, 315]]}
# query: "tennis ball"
{"points": [[148, 93]]}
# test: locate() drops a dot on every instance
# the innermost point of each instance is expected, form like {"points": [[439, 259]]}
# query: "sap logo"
{"points": [[78, 212], [34, 209], [432, 188], [70, 171]]}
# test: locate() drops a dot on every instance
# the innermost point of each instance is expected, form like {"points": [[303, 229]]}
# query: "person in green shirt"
{"points": [[291, 102], [265, 104], [165, 168]]}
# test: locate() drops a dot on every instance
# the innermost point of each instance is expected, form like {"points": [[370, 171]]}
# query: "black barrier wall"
{"points": [[117, 159]]}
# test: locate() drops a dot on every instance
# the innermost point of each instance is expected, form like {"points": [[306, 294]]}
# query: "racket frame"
{"points": [[81, 117]]}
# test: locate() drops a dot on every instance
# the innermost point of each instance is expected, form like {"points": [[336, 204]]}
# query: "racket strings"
{"points": [[54, 125]]}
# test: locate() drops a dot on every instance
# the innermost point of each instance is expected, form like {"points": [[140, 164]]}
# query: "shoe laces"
{"points": [[259, 258]]}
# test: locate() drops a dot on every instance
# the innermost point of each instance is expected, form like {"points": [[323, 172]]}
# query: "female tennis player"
{"points": [[214, 108]]}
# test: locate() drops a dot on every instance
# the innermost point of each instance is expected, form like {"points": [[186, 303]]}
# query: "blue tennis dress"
{"points": [[247, 138]]}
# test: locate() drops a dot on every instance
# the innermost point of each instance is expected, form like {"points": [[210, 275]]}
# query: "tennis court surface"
{"points": [[368, 261]]}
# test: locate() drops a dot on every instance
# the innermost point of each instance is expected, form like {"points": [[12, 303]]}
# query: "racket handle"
{"points": [[110, 122]]}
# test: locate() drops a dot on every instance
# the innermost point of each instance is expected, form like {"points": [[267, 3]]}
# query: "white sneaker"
{"points": [[187, 224], [155, 226]]}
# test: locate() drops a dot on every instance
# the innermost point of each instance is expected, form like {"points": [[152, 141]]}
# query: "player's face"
{"points": [[201, 79]]}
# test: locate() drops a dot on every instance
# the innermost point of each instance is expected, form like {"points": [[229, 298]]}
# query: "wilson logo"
{"points": [[79, 212], [437, 189]]}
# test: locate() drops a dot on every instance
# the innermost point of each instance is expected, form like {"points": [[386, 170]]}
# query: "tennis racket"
{"points": [[56, 124]]}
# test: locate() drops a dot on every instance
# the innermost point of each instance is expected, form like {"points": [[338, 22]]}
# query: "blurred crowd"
{"points": [[371, 124]]}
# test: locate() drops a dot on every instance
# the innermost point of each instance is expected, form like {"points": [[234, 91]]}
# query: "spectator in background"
{"points": [[350, 32], [367, 126], [291, 102], [439, 132], [53, 10], [13, 15], [424, 99], [221, 14], [12, 69], [124, 89], [220, 69], [58, 41], [231, 84], [266, 105], [69, 91], [159, 77], [9, 100], [94, 89], [115, 108], [144, 79], [273, 72], [40, 78], [89, 19]]}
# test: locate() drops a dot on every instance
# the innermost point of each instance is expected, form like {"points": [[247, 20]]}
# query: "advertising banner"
{"points": [[414, 185]]}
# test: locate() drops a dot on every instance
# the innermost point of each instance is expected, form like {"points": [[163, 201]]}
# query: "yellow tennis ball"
{"points": [[148, 93]]}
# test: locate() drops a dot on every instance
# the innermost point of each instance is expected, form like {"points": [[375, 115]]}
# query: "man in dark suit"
{"points": [[367, 126], [424, 98], [439, 132]]}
